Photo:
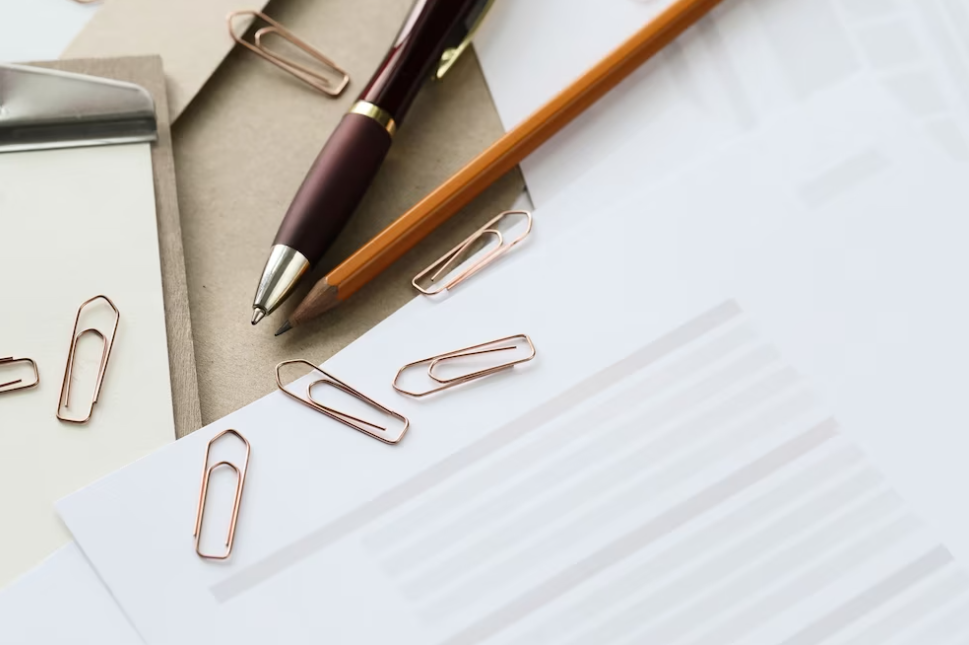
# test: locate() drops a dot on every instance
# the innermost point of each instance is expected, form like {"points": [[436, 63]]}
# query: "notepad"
{"points": [[715, 448], [76, 223]]}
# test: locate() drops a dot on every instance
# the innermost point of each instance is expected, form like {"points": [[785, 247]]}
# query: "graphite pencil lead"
{"points": [[285, 328]]}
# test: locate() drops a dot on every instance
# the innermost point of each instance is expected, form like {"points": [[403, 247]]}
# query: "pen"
{"points": [[345, 167], [506, 153]]}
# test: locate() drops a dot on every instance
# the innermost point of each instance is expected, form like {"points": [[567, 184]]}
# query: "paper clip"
{"points": [[64, 401], [462, 251], [10, 360], [509, 343], [240, 483], [378, 432], [314, 79]]}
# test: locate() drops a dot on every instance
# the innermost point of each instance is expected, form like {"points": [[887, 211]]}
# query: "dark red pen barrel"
{"points": [[334, 185], [414, 54], [354, 152]]}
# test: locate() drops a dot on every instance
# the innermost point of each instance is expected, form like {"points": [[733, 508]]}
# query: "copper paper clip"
{"points": [[19, 383], [507, 344], [467, 248], [64, 402], [379, 432], [237, 502], [314, 79]]}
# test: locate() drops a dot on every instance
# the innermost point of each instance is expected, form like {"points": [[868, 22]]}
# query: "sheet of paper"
{"points": [[691, 490], [747, 61], [75, 224], [40, 29], [63, 601], [501, 512]]}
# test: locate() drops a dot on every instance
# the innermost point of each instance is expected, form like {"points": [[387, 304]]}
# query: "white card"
{"points": [[40, 29], [76, 223]]}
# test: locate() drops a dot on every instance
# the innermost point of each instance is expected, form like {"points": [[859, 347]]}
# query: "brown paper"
{"points": [[242, 149], [146, 71], [190, 36]]}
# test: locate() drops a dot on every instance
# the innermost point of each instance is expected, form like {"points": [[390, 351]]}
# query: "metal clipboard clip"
{"points": [[434, 363], [87, 111], [107, 343], [369, 428], [19, 383], [315, 79], [466, 249], [207, 471]]}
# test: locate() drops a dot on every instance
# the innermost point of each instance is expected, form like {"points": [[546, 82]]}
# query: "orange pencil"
{"points": [[501, 157]]}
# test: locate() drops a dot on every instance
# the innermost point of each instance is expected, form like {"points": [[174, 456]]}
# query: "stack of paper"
{"points": [[743, 423], [713, 449]]}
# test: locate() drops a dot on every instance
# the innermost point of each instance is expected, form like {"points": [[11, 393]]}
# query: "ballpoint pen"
{"points": [[504, 154], [356, 149]]}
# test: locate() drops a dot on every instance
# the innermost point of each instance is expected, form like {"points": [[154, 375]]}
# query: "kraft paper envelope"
{"points": [[243, 146], [189, 36]]}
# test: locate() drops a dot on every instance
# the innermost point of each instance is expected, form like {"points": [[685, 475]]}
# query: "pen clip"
{"points": [[465, 32]]}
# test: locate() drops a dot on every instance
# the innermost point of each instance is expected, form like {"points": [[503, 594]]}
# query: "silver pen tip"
{"points": [[284, 269]]}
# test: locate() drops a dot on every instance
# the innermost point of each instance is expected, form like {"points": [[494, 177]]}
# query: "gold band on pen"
{"points": [[376, 113]]}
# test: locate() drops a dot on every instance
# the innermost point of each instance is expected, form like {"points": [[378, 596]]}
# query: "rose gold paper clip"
{"points": [[19, 383], [207, 471], [64, 402], [466, 249], [379, 432], [507, 344], [315, 79]]}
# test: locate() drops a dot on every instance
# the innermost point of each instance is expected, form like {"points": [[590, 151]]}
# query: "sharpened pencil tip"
{"points": [[257, 315], [285, 328]]}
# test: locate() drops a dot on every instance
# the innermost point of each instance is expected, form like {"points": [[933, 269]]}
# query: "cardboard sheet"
{"points": [[242, 150], [191, 37]]}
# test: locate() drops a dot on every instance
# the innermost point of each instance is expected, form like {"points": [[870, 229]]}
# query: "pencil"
{"points": [[501, 157]]}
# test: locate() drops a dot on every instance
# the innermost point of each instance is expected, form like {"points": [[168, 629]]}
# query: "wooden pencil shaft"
{"points": [[513, 147]]}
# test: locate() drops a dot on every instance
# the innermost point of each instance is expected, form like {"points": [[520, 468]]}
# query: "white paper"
{"points": [[339, 536], [748, 60], [33, 30], [75, 224], [63, 601]]}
